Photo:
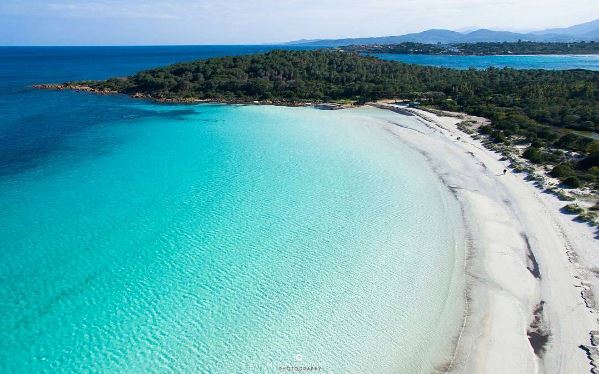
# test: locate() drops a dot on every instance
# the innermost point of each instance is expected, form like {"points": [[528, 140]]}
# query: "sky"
{"points": [[154, 22]]}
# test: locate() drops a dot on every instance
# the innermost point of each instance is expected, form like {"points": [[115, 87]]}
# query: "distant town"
{"points": [[486, 48]]}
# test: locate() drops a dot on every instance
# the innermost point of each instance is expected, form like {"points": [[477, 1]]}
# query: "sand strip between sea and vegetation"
{"points": [[530, 268]]}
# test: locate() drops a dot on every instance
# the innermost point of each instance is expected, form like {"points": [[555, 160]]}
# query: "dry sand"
{"points": [[528, 267]]}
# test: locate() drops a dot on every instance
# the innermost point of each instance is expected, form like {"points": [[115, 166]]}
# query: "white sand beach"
{"points": [[528, 265]]}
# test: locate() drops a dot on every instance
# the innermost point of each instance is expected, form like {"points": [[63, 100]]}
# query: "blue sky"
{"points": [[135, 22]]}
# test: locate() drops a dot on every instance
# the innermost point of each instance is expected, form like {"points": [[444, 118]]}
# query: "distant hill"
{"points": [[484, 35], [428, 36], [583, 29], [592, 35], [431, 36], [588, 31]]}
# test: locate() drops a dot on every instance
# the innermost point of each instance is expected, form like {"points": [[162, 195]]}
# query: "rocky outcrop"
{"points": [[74, 87]]}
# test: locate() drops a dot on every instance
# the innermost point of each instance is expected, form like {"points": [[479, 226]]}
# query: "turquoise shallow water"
{"points": [[226, 239], [548, 62], [137, 237]]}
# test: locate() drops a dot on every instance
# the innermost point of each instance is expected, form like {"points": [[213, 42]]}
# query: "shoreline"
{"points": [[84, 88], [530, 270]]}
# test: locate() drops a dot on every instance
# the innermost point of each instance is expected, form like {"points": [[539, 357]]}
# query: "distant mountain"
{"points": [[431, 36], [577, 30], [588, 31], [428, 36], [591, 35], [484, 35]]}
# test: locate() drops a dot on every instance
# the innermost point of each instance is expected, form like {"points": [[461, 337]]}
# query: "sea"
{"points": [[546, 62], [139, 237]]}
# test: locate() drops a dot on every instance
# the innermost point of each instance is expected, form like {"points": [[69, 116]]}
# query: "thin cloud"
{"points": [[269, 21], [110, 10]]}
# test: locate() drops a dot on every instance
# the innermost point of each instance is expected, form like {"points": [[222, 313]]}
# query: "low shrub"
{"points": [[573, 209], [572, 182], [589, 217], [562, 171], [534, 155]]}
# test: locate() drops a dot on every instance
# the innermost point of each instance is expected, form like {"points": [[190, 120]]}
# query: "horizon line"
{"points": [[140, 45]]}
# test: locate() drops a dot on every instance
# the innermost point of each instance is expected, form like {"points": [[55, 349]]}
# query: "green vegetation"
{"points": [[589, 216], [572, 182], [406, 48], [562, 171], [573, 209], [534, 108], [465, 49], [534, 154]]}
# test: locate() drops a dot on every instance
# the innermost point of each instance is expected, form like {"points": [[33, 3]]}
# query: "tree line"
{"points": [[536, 107], [482, 48]]}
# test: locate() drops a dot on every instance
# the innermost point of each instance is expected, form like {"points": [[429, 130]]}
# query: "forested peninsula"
{"points": [[481, 49], [536, 108]]}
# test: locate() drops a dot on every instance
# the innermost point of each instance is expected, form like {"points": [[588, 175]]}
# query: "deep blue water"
{"points": [[139, 237], [36, 123]]}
